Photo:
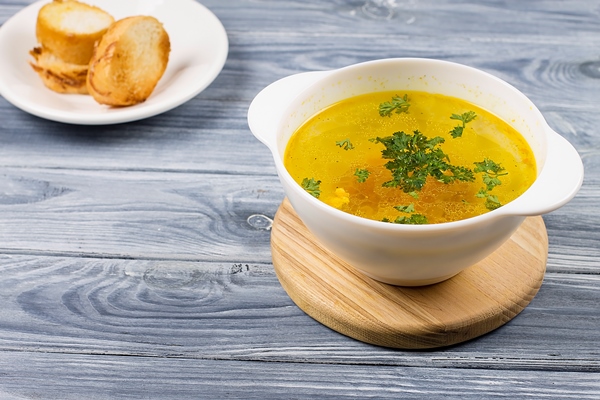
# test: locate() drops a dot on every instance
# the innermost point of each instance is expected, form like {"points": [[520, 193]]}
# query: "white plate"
{"points": [[199, 48]]}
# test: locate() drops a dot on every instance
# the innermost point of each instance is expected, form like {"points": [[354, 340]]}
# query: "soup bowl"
{"points": [[414, 255]]}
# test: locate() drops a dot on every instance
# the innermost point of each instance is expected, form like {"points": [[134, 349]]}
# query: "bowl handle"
{"points": [[267, 108], [558, 182]]}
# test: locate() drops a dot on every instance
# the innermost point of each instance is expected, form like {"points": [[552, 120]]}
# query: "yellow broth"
{"points": [[316, 151]]}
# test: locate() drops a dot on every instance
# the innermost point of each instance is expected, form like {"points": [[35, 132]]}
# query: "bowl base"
{"points": [[472, 303], [411, 283]]}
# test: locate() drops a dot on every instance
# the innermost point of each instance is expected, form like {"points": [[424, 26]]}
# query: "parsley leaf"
{"points": [[415, 157], [400, 104], [407, 209], [491, 171], [465, 118], [414, 219], [311, 186], [361, 175], [482, 193], [345, 144], [492, 202]]}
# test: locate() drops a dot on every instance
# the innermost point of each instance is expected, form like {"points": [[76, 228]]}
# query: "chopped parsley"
{"points": [[311, 186], [407, 209], [491, 172], [414, 219], [398, 104], [415, 157], [465, 118], [361, 175], [345, 144]]}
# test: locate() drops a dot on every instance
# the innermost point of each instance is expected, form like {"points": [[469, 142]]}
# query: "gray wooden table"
{"points": [[135, 259]]}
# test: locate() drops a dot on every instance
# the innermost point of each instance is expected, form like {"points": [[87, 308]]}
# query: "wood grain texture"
{"points": [[135, 259], [137, 214], [470, 304], [74, 376], [235, 311]]}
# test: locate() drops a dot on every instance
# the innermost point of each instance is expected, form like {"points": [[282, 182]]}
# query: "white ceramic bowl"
{"points": [[413, 255]]}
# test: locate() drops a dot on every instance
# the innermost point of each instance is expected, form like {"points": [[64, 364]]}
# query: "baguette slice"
{"points": [[58, 75], [69, 29], [128, 61]]}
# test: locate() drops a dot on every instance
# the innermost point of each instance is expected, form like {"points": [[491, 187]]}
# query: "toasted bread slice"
{"points": [[128, 61], [69, 29], [58, 75]]}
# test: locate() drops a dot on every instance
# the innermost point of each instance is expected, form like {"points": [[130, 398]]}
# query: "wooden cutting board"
{"points": [[472, 303]]}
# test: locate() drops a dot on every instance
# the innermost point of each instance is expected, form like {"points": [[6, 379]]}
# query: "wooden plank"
{"points": [[138, 214], [465, 18], [238, 311], [72, 376]]}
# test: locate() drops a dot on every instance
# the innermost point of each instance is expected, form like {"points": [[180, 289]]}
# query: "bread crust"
{"points": [[57, 75], [69, 29], [128, 61]]}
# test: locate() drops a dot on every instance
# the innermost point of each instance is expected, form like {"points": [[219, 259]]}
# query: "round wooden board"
{"points": [[472, 303]]}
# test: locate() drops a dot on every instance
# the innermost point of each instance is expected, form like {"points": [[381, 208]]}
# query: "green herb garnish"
{"points": [[414, 219], [311, 186], [400, 104], [465, 118], [415, 157], [345, 144], [492, 202], [361, 175], [491, 172], [407, 209]]}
